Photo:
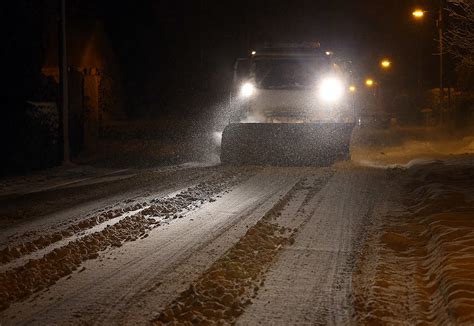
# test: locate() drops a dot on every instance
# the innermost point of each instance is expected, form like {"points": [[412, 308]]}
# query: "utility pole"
{"points": [[441, 68], [419, 92], [63, 78]]}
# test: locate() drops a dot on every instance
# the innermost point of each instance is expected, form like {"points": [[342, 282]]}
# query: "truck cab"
{"points": [[295, 84]]}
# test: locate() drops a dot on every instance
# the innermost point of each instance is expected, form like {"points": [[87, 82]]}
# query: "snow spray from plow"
{"points": [[286, 144]]}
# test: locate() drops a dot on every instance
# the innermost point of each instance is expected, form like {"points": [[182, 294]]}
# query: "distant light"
{"points": [[385, 63], [352, 88], [254, 52], [369, 82], [247, 89], [418, 13], [328, 52]]}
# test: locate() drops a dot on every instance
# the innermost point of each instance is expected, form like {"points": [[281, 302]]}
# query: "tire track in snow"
{"points": [[221, 293], [138, 278], [59, 209], [310, 282], [29, 242], [18, 283]]}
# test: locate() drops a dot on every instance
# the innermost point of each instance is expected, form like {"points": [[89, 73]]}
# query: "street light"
{"points": [[418, 13], [369, 82], [352, 88], [385, 63]]}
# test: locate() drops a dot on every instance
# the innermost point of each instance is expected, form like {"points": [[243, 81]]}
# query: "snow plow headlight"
{"points": [[247, 90], [331, 90]]}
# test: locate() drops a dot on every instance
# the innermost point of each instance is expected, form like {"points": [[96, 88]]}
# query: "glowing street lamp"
{"points": [[418, 13], [253, 52], [369, 82], [352, 88], [385, 63]]}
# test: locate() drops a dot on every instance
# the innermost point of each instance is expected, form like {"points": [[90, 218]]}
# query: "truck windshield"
{"points": [[288, 73]]}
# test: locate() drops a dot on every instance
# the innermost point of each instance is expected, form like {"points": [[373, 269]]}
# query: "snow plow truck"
{"points": [[293, 105]]}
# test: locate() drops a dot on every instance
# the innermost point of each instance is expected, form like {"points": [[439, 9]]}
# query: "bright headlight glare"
{"points": [[331, 90], [247, 89]]}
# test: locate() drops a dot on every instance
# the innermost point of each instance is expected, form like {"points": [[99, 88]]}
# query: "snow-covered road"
{"points": [[123, 285], [252, 245], [310, 281]]}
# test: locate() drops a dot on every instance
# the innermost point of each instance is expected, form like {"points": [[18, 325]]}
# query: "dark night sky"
{"points": [[160, 38], [171, 50], [358, 28]]}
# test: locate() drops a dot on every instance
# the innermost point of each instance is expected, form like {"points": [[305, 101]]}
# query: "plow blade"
{"points": [[287, 144]]}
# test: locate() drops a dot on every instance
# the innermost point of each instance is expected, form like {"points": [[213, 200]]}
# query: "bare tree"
{"points": [[459, 35]]}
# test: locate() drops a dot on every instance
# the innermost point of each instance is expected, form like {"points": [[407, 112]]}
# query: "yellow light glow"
{"points": [[369, 82], [385, 63], [254, 52], [418, 13], [352, 88]]}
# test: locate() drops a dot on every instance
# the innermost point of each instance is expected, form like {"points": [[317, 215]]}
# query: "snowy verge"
{"points": [[418, 266], [386, 147]]}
